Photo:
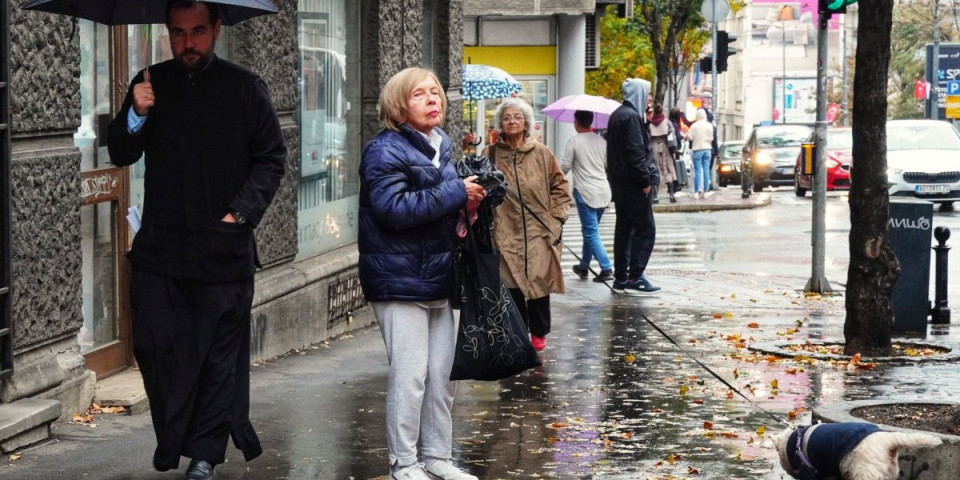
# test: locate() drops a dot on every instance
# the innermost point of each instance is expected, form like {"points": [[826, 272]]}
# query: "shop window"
{"points": [[329, 119]]}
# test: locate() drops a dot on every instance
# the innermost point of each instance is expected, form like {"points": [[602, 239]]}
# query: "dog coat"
{"points": [[822, 446]]}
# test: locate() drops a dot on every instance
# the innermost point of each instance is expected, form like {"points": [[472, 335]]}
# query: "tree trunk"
{"points": [[873, 266]]}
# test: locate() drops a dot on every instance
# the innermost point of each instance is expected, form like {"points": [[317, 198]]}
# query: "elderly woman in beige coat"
{"points": [[530, 251]]}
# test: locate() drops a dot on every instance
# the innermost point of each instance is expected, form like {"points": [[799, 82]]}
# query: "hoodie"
{"points": [[631, 166]]}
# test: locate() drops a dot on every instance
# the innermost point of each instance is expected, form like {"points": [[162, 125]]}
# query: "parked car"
{"points": [[770, 153], [923, 160], [728, 166], [839, 154]]}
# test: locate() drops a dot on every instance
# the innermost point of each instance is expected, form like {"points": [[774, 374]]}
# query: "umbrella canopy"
{"points": [[129, 12], [481, 82], [562, 110]]}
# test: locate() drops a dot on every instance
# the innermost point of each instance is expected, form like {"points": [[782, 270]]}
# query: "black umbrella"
{"points": [[128, 12]]}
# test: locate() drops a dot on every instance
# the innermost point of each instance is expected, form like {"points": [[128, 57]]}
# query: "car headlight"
{"points": [[892, 172], [764, 159], [831, 164], [726, 168]]}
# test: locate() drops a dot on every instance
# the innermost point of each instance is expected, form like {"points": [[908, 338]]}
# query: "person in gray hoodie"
{"points": [[632, 172]]}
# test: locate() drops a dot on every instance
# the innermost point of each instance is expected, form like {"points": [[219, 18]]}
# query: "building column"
{"points": [[571, 66]]}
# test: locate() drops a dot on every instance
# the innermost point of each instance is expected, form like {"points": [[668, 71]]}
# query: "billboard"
{"points": [[795, 100], [949, 70]]}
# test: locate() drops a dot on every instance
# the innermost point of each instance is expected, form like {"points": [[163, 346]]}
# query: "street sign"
{"points": [[953, 106], [953, 88], [706, 9]]}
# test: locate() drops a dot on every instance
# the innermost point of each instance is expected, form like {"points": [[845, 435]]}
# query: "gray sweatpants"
{"points": [[420, 346]]}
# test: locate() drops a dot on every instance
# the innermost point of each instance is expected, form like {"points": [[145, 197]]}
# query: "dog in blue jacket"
{"points": [[846, 451]]}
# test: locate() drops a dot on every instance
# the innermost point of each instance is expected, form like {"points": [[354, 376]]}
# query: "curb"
{"points": [[762, 200]]}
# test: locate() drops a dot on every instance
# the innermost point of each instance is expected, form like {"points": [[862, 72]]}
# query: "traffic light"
{"points": [[706, 65], [724, 49], [835, 6]]}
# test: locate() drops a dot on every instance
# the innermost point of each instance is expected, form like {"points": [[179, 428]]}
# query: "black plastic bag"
{"points": [[487, 175], [492, 339]]}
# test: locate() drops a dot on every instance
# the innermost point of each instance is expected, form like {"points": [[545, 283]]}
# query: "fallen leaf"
{"points": [[753, 325], [629, 358], [14, 457], [761, 430], [708, 425], [792, 414], [774, 384], [671, 459]]}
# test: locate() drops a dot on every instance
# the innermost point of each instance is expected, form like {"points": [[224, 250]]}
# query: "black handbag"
{"points": [[492, 339]]}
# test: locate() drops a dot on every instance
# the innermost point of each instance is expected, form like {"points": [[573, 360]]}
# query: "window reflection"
{"points": [[94, 94], [99, 251], [329, 118]]}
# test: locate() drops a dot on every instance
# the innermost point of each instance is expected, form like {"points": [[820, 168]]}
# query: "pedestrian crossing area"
{"points": [[675, 249]]}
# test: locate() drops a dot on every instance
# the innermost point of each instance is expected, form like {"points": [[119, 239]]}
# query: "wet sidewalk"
{"points": [[614, 399]]}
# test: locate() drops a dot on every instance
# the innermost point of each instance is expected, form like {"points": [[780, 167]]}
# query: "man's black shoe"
{"points": [[604, 276], [200, 470], [581, 272]]}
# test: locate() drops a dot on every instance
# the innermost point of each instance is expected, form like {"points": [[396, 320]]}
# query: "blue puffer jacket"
{"points": [[408, 218]]}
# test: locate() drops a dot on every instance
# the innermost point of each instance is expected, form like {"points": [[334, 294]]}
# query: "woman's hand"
{"points": [[475, 192]]}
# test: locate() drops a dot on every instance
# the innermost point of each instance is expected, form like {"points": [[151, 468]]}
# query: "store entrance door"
{"points": [[105, 338]]}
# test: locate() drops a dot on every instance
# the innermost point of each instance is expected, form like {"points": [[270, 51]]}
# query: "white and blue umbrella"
{"points": [[481, 82]]}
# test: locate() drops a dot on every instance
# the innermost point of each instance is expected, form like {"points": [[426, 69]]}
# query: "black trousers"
{"points": [[535, 312], [633, 236], [192, 343]]}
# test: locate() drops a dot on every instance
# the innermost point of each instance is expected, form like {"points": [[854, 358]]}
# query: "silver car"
{"points": [[923, 160]]}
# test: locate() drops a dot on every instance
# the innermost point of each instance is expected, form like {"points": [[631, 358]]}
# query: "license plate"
{"points": [[786, 171], [932, 188]]}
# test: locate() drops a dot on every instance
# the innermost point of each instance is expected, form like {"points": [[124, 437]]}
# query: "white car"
{"points": [[923, 160]]}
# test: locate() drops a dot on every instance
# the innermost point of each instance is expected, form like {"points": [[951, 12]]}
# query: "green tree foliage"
{"points": [[913, 29], [668, 24], [624, 53]]}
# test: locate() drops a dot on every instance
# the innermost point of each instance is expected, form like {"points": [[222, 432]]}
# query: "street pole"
{"points": [[818, 281], [713, 69], [935, 83], [843, 57]]}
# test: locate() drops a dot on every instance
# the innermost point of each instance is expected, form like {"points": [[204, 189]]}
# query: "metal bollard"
{"points": [[940, 313]]}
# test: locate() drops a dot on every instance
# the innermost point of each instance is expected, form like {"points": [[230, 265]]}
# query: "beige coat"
{"points": [[529, 259]]}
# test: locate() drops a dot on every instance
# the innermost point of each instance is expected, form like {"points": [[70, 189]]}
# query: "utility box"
{"points": [[911, 236]]}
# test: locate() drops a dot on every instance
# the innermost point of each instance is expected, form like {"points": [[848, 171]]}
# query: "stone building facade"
{"points": [[325, 62]]}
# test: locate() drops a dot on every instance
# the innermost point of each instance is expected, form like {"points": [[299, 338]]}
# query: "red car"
{"points": [[839, 157]]}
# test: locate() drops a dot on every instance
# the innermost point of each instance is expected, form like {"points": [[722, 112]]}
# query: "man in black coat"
{"points": [[214, 158], [632, 173]]}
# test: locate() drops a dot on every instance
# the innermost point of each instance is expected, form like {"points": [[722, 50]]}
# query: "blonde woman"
{"points": [[409, 198], [530, 251]]}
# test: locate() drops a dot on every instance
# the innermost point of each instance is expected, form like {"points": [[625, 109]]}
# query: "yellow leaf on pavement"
{"points": [[762, 430]]}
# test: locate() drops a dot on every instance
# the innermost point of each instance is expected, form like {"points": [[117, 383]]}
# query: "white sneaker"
{"points": [[446, 470], [413, 472]]}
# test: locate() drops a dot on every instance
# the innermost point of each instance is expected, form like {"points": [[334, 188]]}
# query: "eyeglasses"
{"points": [[515, 118]]}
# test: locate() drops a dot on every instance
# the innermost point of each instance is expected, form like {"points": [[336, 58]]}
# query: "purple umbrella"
{"points": [[562, 110], [127, 12]]}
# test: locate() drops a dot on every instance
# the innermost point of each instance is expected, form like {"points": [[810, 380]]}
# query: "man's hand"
{"points": [[475, 192], [143, 95], [229, 218], [646, 190]]}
